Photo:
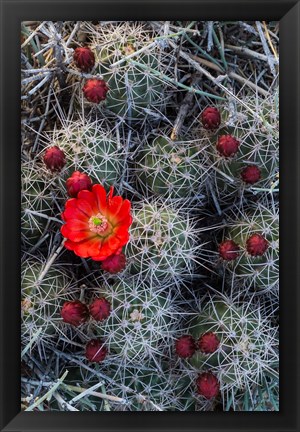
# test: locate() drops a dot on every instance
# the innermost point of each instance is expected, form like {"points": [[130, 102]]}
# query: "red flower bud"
{"points": [[227, 145], [54, 158], [185, 346], [95, 90], [77, 182], [100, 309], [257, 245], [74, 312], [95, 351], [251, 174], [208, 343], [229, 250], [211, 118], [84, 58], [114, 263], [208, 385]]}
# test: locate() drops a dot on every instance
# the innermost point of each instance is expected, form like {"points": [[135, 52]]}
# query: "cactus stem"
{"points": [[48, 393], [50, 261], [43, 215]]}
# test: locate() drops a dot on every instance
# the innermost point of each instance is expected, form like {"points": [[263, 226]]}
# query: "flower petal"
{"points": [[77, 225], [100, 196], [121, 232], [76, 236], [88, 248], [115, 204], [85, 207], [74, 213], [90, 198]]}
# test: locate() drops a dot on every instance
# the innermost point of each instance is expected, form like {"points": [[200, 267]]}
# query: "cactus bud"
{"points": [[251, 174], [95, 90], [54, 158], [100, 309], [185, 346], [74, 312], [95, 351], [208, 385], [227, 145], [114, 263], [84, 58], [229, 250], [211, 118], [77, 182], [208, 343], [257, 245]]}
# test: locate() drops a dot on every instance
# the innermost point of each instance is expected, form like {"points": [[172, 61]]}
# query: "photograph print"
{"points": [[149, 216]]}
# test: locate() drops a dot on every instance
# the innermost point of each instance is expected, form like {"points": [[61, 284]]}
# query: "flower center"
{"points": [[98, 223]]}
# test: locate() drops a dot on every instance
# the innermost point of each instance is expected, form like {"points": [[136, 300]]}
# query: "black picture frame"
{"points": [[15, 11]]}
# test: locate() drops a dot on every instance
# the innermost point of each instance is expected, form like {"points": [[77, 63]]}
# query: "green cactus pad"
{"points": [[248, 343], [255, 124], [174, 170], [140, 320], [262, 272], [92, 150], [36, 203], [163, 243], [42, 296]]}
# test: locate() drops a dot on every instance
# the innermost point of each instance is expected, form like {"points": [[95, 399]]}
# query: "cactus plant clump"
{"points": [[43, 293], [163, 243], [254, 165], [256, 233], [150, 174], [174, 170], [88, 148], [147, 388], [140, 322], [133, 88], [247, 343]]}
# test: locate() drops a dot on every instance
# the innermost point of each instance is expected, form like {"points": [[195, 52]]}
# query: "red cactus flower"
{"points": [[84, 58], [78, 182], [208, 385], [229, 250], [227, 145], [95, 351], [208, 343], [114, 263], [100, 309], [54, 158], [96, 226], [185, 346], [95, 90], [251, 174], [257, 245], [74, 312], [211, 118]]}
